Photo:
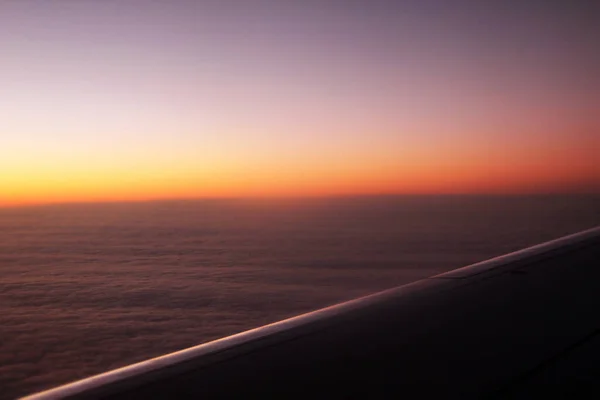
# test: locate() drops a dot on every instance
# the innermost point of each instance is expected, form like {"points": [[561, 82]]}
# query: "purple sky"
{"points": [[219, 86]]}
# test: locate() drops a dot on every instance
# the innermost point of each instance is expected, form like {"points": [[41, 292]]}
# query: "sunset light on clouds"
{"points": [[124, 100]]}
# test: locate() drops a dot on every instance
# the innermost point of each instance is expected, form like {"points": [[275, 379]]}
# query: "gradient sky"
{"points": [[120, 100]]}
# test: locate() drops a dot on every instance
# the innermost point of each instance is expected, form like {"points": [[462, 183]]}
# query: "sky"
{"points": [[136, 100]]}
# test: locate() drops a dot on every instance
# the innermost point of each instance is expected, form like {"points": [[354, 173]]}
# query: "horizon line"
{"points": [[33, 204]]}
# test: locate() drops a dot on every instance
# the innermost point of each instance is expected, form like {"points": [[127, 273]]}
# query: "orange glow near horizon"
{"points": [[430, 172]]}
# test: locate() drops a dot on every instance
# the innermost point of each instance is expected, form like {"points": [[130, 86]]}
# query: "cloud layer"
{"points": [[86, 288]]}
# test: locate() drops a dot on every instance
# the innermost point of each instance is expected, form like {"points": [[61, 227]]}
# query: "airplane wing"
{"points": [[517, 326]]}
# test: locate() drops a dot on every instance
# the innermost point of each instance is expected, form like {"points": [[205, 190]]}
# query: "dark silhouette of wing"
{"points": [[524, 324]]}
